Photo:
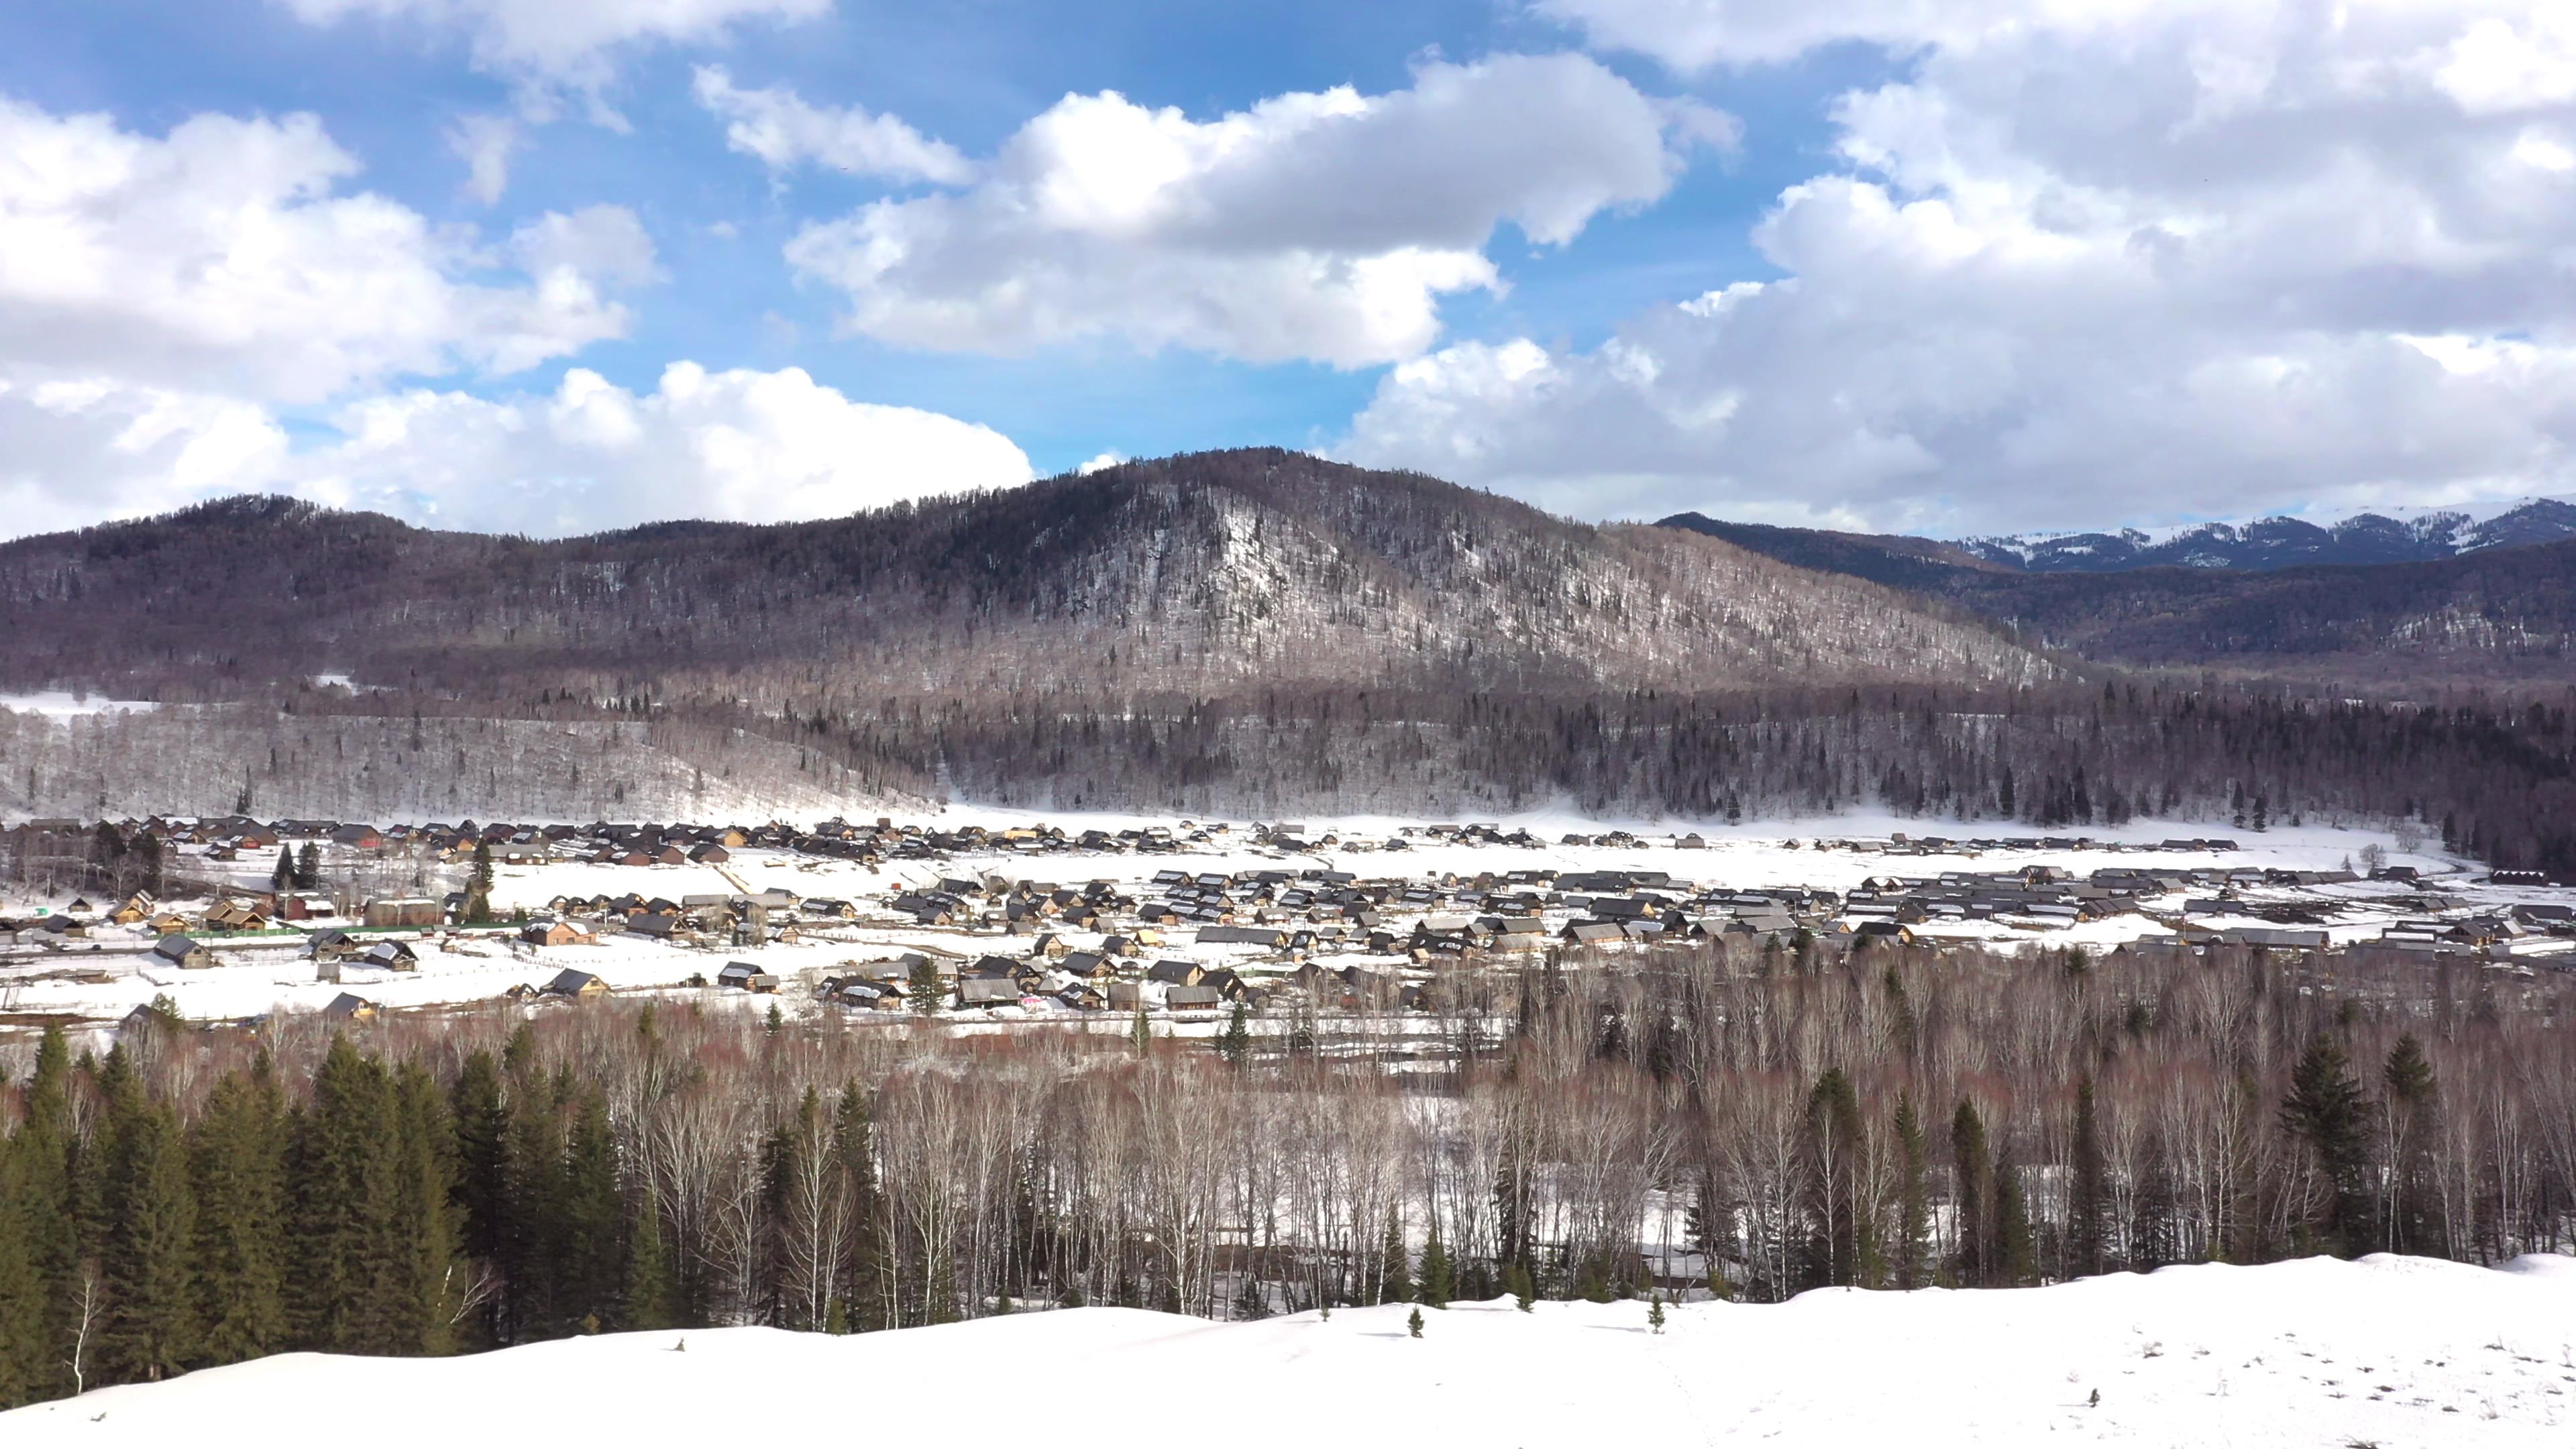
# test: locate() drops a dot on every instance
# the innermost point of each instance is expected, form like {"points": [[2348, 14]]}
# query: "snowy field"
{"points": [[2394, 1352], [256, 976]]}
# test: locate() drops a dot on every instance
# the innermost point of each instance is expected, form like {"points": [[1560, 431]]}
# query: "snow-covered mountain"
{"points": [[2390, 1351], [2396, 535]]}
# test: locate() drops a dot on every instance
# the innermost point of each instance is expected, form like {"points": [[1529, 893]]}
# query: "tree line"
{"points": [[1712, 1119]]}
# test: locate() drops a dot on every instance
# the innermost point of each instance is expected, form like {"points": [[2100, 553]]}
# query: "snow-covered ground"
{"points": [[2394, 1352], [63, 704]]}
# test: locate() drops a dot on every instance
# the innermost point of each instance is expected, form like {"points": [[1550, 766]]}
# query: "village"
{"points": [[1184, 921]]}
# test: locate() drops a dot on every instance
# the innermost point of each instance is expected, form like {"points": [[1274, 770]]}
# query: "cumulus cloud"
{"points": [[1323, 225], [753, 446], [2084, 264], [223, 257], [564, 42], [740, 445], [164, 301], [485, 145], [784, 132]]}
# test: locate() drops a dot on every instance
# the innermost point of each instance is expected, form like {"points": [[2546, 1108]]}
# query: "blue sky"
{"points": [[1945, 314]]}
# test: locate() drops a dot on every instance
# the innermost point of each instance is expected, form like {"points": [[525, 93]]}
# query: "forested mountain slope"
{"points": [[1193, 573], [2501, 616]]}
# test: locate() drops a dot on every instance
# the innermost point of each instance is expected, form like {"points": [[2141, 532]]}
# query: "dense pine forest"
{"points": [[1711, 1120]]}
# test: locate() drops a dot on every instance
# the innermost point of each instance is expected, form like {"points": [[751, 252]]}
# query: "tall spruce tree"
{"points": [[1842, 1251], [1395, 1267], [2016, 1253], [1973, 1196], [45, 1150], [239, 1154], [2327, 1116], [1438, 1280], [435, 1292], [531, 1217], [2413, 1213], [346, 1293], [593, 1219], [147, 1258], [1911, 1256], [854, 1156], [25, 1346], [281, 878], [652, 1296], [2088, 1191], [308, 867]]}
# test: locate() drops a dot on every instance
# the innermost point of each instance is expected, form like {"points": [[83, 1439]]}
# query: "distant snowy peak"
{"points": [[2396, 535]]}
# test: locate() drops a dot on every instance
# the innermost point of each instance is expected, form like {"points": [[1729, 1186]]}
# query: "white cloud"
{"points": [[2085, 264], [743, 445], [784, 132], [1324, 225], [567, 42], [739, 445], [1099, 461], [484, 144], [222, 258]]}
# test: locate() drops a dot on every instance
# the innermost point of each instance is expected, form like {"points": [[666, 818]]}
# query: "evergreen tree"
{"points": [[2414, 1214], [1974, 1196], [531, 1218], [593, 1218], [1844, 1250], [239, 1153], [652, 1295], [428, 1227], [1913, 1244], [1655, 1314], [25, 1345], [1235, 1043], [1438, 1281], [1413, 1323], [1395, 1269], [344, 1296], [43, 1150], [478, 886], [854, 1156], [1140, 1033], [150, 1330], [2329, 1118], [1516, 1282], [2016, 1257], [308, 867], [482, 1122], [921, 989], [282, 878], [2088, 1193]]}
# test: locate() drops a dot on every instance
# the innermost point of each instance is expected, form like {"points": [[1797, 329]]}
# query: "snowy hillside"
{"points": [[2389, 1351]]}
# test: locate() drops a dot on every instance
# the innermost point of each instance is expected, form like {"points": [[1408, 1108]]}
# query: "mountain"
{"points": [[1226, 627], [2279, 543], [1213, 571], [2499, 615], [2387, 1350]]}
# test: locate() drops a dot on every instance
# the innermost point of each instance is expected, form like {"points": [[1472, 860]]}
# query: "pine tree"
{"points": [[150, 1329], [24, 1344], [482, 1122], [43, 1149], [593, 1218], [2088, 1201], [2016, 1257], [1913, 1244], [1438, 1282], [1845, 1252], [344, 1186], [2414, 1214], [530, 1220], [1516, 1282], [854, 1157], [428, 1225], [1655, 1314], [651, 1294], [282, 878], [1140, 1034], [478, 887], [921, 989], [1974, 1197], [308, 867], [2327, 1115], [1235, 1043], [1413, 1323], [239, 1154], [1395, 1270]]}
